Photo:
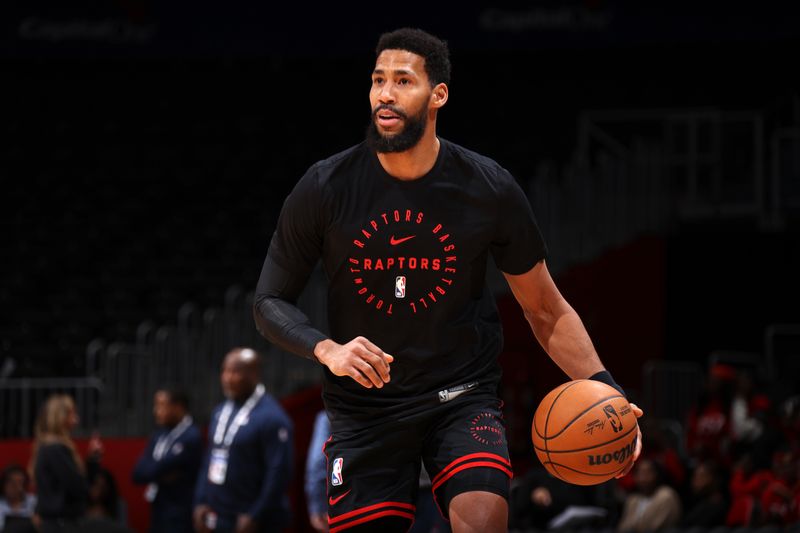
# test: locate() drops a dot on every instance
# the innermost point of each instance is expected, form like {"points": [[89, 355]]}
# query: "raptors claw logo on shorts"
{"points": [[486, 429]]}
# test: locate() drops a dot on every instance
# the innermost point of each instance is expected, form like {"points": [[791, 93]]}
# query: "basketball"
{"points": [[584, 432]]}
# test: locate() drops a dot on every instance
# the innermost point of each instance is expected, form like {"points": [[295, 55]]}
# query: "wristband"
{"points": [[605, 377]]}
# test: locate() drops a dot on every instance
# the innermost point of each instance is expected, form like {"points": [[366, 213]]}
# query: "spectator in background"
{"points": [[708, 428], [59, 471], [778, 501], [16, 504], [316, 483], [170, 463], [746, 486], [790, 422], [707, 503], [541, 501], [243, 482], [755, 427], [103, 511], [656, 445], [654, 506], [748, 410]]}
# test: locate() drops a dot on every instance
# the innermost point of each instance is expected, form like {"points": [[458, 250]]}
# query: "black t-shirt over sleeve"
{"points": [[406, 267], [297, 242], [517, 244]]}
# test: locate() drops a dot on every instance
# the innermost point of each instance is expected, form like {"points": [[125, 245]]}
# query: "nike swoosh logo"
{"points": [[395, 242], [334, 501]]}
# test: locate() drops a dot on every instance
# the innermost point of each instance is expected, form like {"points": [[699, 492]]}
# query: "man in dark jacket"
{"points": [[170, 463], [243, 482]]}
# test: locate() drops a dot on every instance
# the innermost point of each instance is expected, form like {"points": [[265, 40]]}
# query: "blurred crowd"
{"points": [[69, 489], [736, 467], [246, 466]]}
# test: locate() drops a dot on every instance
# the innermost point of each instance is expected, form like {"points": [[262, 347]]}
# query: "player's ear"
{"points": [[439, 95]]}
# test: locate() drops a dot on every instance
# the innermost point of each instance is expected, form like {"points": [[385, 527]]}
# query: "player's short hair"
{"points": [[177, 395], [422, 43]]}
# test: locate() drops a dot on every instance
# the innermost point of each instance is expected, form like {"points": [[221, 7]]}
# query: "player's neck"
{"points": [[414, 162]]}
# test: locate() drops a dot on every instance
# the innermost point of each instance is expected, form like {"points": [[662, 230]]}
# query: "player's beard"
{"points": [[405, 139]]}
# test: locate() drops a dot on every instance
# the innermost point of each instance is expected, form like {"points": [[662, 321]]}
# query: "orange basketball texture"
{"points": [[584, 432]]}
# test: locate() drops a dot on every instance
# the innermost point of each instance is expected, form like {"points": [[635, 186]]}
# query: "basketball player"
{"points": [[404, 223]]}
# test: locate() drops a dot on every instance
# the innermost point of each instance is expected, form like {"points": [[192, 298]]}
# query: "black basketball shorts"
{"points": [[375, 473]]}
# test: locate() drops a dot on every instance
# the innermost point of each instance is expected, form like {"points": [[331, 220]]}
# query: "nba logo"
{"points": [[336, 473], [613, 417], [400, 287]]}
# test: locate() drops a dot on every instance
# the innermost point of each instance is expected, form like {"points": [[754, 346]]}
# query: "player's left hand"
{"points": [[638, 451], [246, 524]]}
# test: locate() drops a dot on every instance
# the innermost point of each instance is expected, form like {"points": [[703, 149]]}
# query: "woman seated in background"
{"points": [[653, 505], [707, 503], [59, 471], [103, 510], [16, 503]]}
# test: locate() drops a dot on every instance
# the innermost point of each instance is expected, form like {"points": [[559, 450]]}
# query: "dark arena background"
{"points": [[147, 148]]}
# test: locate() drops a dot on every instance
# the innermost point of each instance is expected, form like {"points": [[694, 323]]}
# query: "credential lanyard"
{"points": [[165, 442], [223, 436]]}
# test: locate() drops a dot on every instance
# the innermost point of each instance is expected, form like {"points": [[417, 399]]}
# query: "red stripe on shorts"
{"points": [[369, 508], [374, 516], [480, 455], [472, 464], [449, 472]]}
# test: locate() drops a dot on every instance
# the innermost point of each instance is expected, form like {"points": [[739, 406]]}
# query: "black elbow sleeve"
{"points": [[276, 314]]}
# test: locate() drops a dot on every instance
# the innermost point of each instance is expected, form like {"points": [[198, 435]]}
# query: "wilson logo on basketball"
{"points": [[619, 456], [418, 251]]}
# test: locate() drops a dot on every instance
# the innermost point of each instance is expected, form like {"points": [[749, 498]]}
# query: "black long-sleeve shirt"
{"points": [[61, 486]]}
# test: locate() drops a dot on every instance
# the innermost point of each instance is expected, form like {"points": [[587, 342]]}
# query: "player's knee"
{"points": [[476, 499], [384, 524], [475, 482], [477, 511]]}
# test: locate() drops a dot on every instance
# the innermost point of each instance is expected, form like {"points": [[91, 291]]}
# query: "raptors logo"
{"points": [[390, 246], [487, 429]]}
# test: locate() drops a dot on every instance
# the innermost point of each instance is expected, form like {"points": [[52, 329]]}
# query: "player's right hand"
{"points": [[360, 359]]}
